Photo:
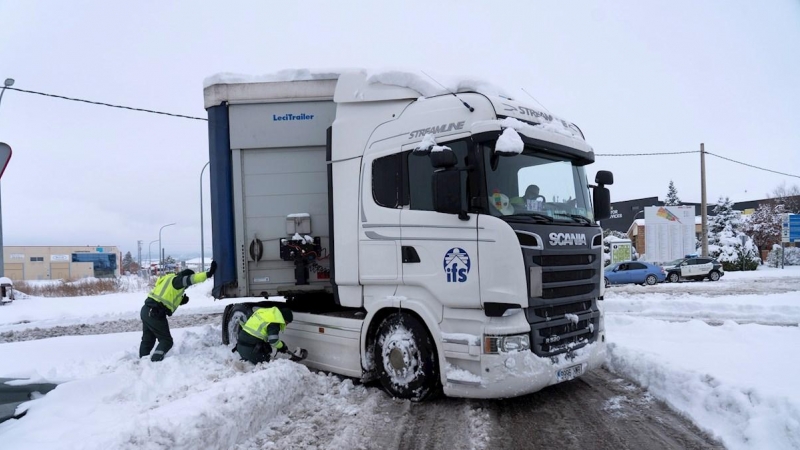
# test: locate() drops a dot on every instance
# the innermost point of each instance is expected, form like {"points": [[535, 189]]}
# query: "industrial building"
{"points": [[61, 262]]}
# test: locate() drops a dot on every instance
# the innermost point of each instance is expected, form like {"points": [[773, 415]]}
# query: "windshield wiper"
{"points": [[577, 218], [531, 216]]}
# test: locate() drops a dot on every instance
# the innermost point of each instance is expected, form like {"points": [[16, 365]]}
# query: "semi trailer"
{"points": [[437, 242]]}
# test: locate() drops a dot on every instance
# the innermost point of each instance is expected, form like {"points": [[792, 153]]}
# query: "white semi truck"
{"points": [[397, 227]]}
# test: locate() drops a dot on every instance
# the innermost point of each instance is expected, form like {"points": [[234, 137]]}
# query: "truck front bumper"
{"points": [[513, 374]]}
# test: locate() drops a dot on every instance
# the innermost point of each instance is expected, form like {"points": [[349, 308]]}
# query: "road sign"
{"points": [[790, 228], [5, 156]]}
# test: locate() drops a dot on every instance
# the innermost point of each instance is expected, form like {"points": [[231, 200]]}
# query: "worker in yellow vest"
{"points": [[161, 302], [259, 335]]}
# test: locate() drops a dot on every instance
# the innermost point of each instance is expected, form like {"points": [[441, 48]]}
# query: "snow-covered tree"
{"points": [[789, 197], [672, 196], [723, 218], [764, 225], [725, 239], [776, 255]]}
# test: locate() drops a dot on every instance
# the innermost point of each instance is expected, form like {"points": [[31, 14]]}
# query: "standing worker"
{"points": [[260, 333], [162, 301]]}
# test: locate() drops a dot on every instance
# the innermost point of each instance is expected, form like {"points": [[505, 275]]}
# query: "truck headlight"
{"points": [[505, 344]]}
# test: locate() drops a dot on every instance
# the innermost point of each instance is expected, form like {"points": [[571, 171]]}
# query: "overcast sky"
{"points": [[635, 76]]}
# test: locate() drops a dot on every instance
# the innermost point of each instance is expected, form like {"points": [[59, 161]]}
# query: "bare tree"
{"points": [[788, 196]]}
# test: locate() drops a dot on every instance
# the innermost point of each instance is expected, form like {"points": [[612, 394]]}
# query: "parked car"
{"points": [[638, 272], [693, 268]]}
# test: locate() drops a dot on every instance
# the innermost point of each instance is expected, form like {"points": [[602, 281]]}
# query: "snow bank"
{"points": [[781, 308], [737, 382], [200, 396], [44, 312]]}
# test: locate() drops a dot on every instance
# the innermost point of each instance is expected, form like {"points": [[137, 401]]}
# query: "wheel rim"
{"points": [[714, 276], [234, 325], [651, 280], [607, 283], [673, 277], [401, 357]]}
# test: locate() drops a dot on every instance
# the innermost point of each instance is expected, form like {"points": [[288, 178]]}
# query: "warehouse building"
{"points": [[61, 262]]}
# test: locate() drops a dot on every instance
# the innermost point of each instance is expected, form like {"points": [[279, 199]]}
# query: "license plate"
{"points": [[569, 373]]}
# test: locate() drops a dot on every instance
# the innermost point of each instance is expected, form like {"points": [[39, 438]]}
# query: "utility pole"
{"points": [[703, 203], [139, 256]]}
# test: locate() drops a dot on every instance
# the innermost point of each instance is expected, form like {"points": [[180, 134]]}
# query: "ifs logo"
{"points": [[456, 265]]}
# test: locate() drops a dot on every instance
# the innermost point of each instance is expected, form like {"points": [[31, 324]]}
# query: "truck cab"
{"points": [[435, 242]]}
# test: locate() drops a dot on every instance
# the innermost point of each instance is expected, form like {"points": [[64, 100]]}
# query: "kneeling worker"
{"points": [[260, 333], [162, 301]]}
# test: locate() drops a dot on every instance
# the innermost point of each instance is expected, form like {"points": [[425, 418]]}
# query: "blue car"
{"points": [[638, 272]]}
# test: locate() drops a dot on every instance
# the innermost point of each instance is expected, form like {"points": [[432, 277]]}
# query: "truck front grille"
{"points": [[566, 337], [566, 291], [568, 275]]}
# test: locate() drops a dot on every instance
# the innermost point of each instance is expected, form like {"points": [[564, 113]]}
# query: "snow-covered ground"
{"points": [[42, 312], [723, 354]]}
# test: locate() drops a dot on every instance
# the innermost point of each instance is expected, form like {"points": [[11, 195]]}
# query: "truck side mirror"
{"points": [[447, 191], [601, 198], [443, 159], [604, 177]]}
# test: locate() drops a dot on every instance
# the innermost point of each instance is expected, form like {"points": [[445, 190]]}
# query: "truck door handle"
{"points": [[410, 254]]}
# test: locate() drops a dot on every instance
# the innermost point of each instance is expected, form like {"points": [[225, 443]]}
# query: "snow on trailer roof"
{"points": [[360, 85]]}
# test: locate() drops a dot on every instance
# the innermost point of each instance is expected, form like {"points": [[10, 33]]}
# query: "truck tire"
{"points": [[713, 276], [651, 280], [406, 358], [673, 277], [232, 320]]}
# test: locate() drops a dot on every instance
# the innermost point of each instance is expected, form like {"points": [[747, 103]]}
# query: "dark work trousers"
{"points": [[155, 326], [252, 349]]}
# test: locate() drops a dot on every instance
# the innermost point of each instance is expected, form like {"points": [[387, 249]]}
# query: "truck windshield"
{"points": [[537, 184]]}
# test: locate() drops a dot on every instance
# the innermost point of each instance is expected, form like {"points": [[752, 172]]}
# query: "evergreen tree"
{"points": [[672, 196], [127, 261], [764, 225], [724, 219], [724, 239]]}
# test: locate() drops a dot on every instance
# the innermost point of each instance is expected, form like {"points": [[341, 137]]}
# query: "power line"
{"points": [[697, 151], [107, 104], [647, 154], [752, 166]]}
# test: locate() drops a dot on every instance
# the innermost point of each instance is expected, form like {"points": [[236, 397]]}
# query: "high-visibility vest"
{"points": [[256, 325], [164, 293]]}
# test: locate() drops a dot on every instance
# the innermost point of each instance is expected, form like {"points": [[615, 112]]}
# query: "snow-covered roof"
{"points": [[359, 85]]}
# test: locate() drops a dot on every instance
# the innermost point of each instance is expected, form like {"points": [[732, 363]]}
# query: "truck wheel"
{"points": [[673, 277], [238, 315], [713, 276], [406, 358], [651, 280]]}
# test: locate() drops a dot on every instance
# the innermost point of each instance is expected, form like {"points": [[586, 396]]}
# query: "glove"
{"points": [[185, 299], [212, 269], [284, 349]]}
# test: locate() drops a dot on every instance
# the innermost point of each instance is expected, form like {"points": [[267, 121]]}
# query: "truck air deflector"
{"points": [[222, 231]]}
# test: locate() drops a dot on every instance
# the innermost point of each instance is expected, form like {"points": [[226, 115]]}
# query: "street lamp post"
{"points": [[160, 251], [6, 84], [202, 239], [150, 255]]}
